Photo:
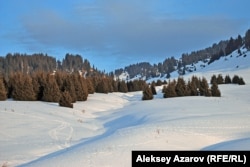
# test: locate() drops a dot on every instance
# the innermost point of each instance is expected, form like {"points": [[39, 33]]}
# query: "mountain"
{"points": [[189, 62]]}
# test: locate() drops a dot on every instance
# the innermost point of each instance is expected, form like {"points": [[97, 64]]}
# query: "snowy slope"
{"points": [[105, 128]]}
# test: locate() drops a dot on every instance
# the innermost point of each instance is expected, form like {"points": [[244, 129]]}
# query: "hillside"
{"points": [[108, 126], [188, 62]]}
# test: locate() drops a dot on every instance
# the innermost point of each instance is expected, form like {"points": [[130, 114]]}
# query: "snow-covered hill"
{"points": [[105, 128], [231, 62]]}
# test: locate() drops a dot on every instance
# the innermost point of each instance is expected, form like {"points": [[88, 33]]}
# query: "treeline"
{"points": [[29, 64], [219, 79], [194, 87], [61, 87], [207, 55]]}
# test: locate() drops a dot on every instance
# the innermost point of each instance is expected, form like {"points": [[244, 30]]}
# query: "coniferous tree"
{"points": [[147, 94], [90, 86], [215, 90], [247, 39], [3, 92], [220, 79], [228, 79], [102, 86], [80, 87], [70, 87], [235, 79], [153, 90], [204, 88], [122, 87], [213, 79], [170, 90], [241, 81], [22, 87], [66, 100], [51, 91], [180, 87]]}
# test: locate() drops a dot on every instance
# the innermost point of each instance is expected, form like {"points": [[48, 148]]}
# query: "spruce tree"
{"points": [[3, 92], [170, 90], [66, 100], [153, 88], [215, 90], [228, 79], [70, 87], [22, 87], [204, 88], [180, 87], [122, 87], [220, 79], [51, 91], [147, 94], [241, 81]]}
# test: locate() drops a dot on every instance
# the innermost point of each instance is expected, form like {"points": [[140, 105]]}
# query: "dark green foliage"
{"points": [[180, 87], [213, 79], [3, 92], [247, 39], [102, 86], [80, 85], [90, 86], [204, 88], [122, 87], [51, 91], [158, 82], [66, 100], [22, 88], [220, 79], [147, 94], [241, 81], [215, 90], [169, 91], [228, 80], [153, 90], [235, 79]]}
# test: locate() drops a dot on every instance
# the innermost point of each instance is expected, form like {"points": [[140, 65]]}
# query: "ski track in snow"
{"points": [[62, 134]]}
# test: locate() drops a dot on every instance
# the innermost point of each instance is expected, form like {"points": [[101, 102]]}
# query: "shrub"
{"points": [[147, 94]]}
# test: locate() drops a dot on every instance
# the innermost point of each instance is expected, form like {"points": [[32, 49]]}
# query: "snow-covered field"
{"points": [[105, 129]]}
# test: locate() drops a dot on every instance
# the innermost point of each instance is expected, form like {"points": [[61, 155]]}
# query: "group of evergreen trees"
{"points": [[61, 87], [194, 87], [227, 80]]}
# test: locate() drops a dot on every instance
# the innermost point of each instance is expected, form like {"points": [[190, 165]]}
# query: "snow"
{"points": [[105, 129]]}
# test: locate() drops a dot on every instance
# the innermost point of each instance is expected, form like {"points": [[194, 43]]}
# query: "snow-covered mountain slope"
{"points": [[105, 128], [227, 64]]}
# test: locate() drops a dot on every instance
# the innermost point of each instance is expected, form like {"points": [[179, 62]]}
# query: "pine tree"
{"points": [[215, 90], [90, 86], [147, 94], [3, 92], [66, 100]]}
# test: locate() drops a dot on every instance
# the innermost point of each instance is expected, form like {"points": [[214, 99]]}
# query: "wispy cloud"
{"points": [[124, 28]]}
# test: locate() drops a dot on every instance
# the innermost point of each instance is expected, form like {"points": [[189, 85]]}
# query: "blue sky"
{"points": [[115, 33]]}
